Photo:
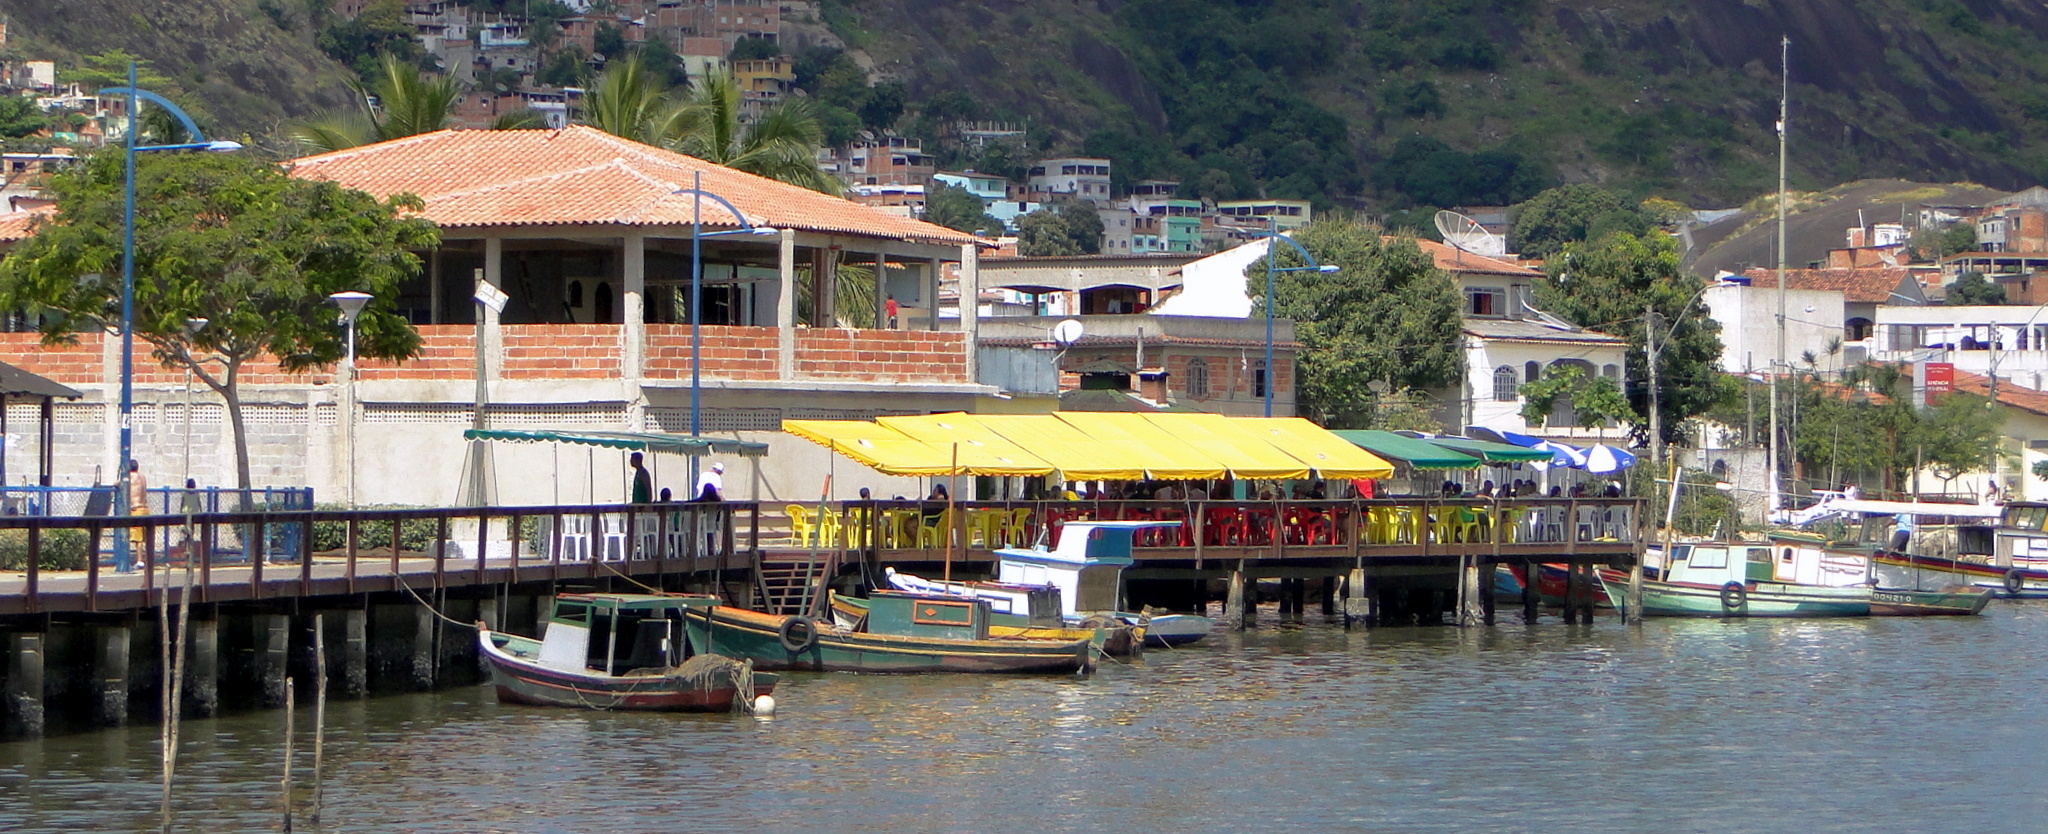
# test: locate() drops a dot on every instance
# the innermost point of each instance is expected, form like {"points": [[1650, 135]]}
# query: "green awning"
{"points": [[677, 444], [1418, 454], [1492, 452]]}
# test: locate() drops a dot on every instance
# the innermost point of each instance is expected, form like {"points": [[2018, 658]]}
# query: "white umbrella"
{"points": [[1603, 459]]}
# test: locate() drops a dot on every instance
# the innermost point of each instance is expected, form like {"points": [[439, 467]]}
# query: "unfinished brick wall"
{"points": [[561, 351], [729, 352], [882, 355], [77, 364]]}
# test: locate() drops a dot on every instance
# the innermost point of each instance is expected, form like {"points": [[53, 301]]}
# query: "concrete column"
{"points": [[1236, 611], [355, 653], [422, 656], [491, 611], [970, 301], [1469, 613], [24, 705], [455, 648], [881, 289], [1357, 599], [202, 668], [434, 291], [493, 346], [785, 306], [273, 657], [930, 293], [110, 675], [633, 253]]}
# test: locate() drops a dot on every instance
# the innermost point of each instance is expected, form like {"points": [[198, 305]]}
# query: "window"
{"points": [[1259, 379], [1611, 371], [1531, 371], [1504, 384], [1486, 301], [1858, 329], [1198, 379]]}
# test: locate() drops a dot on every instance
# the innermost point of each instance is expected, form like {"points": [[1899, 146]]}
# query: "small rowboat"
{"points": [[903, 633], [619, 652]]}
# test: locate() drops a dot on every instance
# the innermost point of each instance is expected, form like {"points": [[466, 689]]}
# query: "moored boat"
{"points": [[1087, 566], [1113, 638], [619, 652], [1956, 601], [1720, 579], [902, 633]]}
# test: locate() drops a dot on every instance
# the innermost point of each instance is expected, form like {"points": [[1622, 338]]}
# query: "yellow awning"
{"points": [[1077, 456], [1247, 454], [1165, 458], [884, 449], [981, 451], [1331, 456]]}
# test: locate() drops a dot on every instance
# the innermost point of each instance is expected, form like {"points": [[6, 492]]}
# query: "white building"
{"points": [[1080, 178], [1749, 333]]}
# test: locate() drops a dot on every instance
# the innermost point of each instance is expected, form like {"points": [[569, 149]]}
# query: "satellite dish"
{"points": [[1067, 332], [1467, 235]]}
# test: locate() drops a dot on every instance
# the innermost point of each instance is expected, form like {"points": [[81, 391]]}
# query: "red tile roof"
{"points": [[1452, 259], [580, 176], [1866, 285], [2009, 393], [16, 226]]}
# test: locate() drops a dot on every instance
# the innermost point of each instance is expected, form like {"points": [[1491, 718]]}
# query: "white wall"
{"points": [[1748, 317], [1483, 356]]}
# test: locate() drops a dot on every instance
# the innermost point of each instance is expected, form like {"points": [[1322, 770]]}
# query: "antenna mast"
{"points": [[1784, 97]]}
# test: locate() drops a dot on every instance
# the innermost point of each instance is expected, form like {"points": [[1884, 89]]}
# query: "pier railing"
{"points": [[56, 562], [1394, 525]]}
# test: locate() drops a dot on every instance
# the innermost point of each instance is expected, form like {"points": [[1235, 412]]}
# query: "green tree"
{"points": [[957, 208], [1387, 315], [662, 62], [1066, 229], [754, 49], [408, 103], [780, 144], [19, 116], [380, 31], [563, 68], [1607, 285], [110, 69], [1970, 288], [1573, 213], [230, 239], [1593, 399], [628, 101], [608, 41], [1867, 424]]}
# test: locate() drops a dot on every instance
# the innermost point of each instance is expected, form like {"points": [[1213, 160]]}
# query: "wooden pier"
{"points": [[81, 642]]}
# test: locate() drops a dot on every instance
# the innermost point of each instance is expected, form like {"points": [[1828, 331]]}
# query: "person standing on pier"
{"points": [[711, 484], [138, 504], [643, 483]]}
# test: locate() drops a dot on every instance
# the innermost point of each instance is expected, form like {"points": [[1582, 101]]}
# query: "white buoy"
{"points": [[764, 705]]}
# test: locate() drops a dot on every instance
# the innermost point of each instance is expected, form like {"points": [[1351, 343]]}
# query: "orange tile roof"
{"points": [[1872, 284], [16, 226], [2009, 393], [580, 176], [1452, 259]]}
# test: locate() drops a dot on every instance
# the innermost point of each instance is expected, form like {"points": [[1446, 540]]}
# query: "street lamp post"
{"points": [[697, 236], [135, 99], [1273, 234], [351, 304]]}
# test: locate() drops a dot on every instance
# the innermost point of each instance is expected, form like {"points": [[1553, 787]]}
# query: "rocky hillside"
{"points": [[1461, 101]]}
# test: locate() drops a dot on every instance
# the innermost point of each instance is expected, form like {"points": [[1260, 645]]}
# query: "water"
{"points": [[1852, 725]]}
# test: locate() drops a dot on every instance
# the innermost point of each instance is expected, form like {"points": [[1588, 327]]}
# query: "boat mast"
{"points": [[1784, 96]]}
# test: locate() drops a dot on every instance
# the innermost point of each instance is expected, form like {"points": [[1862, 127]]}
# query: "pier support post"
{"points": [[110, 676], [202, 668], [1532, 596], [1357, 599], [491, 610], [24, 707], [1468, 591], [1235, 612], [423, 646], [1326, 590], [1486, 603], [273, 657], [355, 653]]}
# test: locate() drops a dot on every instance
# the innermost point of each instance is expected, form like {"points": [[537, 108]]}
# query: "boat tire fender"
{"points": [[2015, 581], [1734, 596], [798, 634]]}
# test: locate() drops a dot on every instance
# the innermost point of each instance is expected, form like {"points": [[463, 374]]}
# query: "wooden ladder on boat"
{"points": [[782, 579]]}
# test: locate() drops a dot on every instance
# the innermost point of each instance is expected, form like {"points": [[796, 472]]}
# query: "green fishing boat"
{"points": [[903, 633]]}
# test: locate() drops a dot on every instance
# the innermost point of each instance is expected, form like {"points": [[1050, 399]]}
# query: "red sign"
{"points": [[1941, 377]]}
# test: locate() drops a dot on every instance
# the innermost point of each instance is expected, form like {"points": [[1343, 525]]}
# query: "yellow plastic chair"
{"points": [[829, 527], [989, 525], [1018, 533], [1465, 525], [936, 531], [1379, 525], [800, 526], [1508, 521]]}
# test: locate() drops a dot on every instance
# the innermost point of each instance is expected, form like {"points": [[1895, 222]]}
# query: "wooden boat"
{"points": [[902, 633], [1915, 570], [1957, 601], [1112, 638], [619, 652], [1719, 579], [2000, 549]]}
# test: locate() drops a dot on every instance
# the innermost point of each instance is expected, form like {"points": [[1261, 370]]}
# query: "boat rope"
{"points": [[429, 606]]}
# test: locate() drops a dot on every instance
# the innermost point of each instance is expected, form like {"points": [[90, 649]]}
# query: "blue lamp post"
{"points": [[1273, 234], [697, 236], [135, 99]]}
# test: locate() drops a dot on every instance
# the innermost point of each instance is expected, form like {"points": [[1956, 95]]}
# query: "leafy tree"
{"points": [[1068, 229], [230, 239], [1868, 424], [662, 62], [780, 144], [1932, 243], [380, 31], [628, 101], [1573, 213], [1387, 315], [754, 49], [608, 41], [957, 208], [409, 103], [19, 116], [884, 105], [1595, 398], [1433, 173], [1606, 286], [110, 69], [563, 68], [1971, 288]]}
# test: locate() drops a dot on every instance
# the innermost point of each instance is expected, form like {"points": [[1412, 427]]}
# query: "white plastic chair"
{"points": [[575, 538]]}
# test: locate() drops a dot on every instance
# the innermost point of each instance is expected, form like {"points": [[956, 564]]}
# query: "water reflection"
{"points": [[1876, 725]]}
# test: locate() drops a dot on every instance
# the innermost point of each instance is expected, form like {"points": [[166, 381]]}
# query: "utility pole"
{"points": [[1650, 359], [1785, 95]]}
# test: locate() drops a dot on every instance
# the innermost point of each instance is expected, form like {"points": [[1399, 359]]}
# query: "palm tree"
{"points": [[781, 145], [629, 102], [401, 101]]}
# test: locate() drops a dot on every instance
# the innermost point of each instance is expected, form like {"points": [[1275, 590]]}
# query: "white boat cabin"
{"points": [[1798, 560], [1086, 565]]}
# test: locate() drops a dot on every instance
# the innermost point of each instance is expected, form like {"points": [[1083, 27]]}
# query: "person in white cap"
{"points": [[711, 484]]}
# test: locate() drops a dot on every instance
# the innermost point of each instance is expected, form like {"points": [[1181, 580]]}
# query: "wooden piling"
{"points": [[355, 653], [1235, 612], [319, 710], [284, 783], [273, 658], [24, 707], [1571, 593], [201, 677], [110, 675], [1532, 596], [1486, 601]]}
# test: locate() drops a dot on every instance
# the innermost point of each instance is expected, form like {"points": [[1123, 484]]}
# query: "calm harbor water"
{"points": [[1854, 725]]}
